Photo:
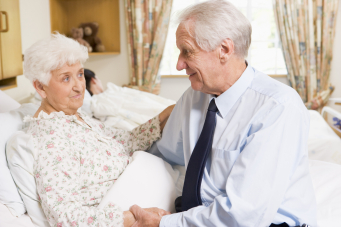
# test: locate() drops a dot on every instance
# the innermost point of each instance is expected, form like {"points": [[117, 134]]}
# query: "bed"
{"points": [[127, 108]]}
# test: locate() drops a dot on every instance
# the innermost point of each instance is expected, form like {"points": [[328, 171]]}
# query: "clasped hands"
{"points": [[146, 217]]}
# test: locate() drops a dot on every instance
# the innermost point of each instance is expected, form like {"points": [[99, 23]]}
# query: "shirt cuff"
{"points": [[172, 220]]}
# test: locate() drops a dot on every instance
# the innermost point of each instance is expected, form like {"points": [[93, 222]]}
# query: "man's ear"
{"points": [[226, 50], [39, 88]]}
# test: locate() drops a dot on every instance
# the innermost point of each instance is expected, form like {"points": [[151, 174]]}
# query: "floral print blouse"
{"points": [[76, 163]]}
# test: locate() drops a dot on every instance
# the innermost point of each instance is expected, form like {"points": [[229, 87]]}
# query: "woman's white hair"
{"points": [[215, 20], [50, 54]]}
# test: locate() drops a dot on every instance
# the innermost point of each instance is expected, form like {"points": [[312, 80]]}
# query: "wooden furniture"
{"points": [[66, 14], [10, 44]]}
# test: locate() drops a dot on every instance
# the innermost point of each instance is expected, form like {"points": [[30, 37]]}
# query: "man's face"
{"points": [[201, 66]]}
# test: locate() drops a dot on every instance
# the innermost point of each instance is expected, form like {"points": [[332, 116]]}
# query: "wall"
{"points": [[36, 26]]}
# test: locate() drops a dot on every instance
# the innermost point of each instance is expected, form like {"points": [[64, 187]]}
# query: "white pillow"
{"points": [[323, 143], [7, 103], [327, 184], [11, 122], [20, 158], [148, 181]]}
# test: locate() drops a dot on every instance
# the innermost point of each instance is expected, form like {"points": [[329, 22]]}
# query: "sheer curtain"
{"points": [[147, 25], [307, 30]]}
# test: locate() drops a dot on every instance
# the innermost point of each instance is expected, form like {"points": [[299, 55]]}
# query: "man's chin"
{"points": [[196, 86]]}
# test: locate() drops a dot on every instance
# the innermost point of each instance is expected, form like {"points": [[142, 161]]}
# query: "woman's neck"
{"points": [[48, 108]]}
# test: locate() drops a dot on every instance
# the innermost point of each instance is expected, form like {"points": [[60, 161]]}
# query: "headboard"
{"points": [[333, 118]]}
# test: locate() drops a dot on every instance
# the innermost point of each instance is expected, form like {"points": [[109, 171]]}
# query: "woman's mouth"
{"points": [[76, 96]]}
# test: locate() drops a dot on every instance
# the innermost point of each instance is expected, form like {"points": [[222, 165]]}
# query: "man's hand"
{"points": [[149, 217]]}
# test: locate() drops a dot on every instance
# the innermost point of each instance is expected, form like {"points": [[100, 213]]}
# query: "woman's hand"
{"points": [[152, 215], [147, 217], [128, 219], [163, 116]]}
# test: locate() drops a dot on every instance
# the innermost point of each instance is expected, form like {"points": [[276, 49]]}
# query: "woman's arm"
{"points": [[128, 219], [143, 136], [164, 115]]}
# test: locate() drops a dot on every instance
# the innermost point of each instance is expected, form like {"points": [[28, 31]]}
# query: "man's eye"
{"points": [[66, 79], [80, 75], [186, 53]]}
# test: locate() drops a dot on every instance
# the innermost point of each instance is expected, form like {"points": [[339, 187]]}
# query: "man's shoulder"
{"points": [[274, 89]]}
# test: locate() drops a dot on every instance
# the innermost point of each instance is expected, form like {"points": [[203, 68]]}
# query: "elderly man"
{"points": [[241, 134]]}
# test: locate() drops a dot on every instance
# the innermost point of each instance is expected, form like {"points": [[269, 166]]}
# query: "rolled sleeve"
{"points": [[171, 220]]}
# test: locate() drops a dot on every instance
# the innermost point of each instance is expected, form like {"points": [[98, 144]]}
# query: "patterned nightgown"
{"points": [[76, 163]]}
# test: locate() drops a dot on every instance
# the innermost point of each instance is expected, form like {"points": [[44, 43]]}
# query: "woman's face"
{"points": [[65, 91]]}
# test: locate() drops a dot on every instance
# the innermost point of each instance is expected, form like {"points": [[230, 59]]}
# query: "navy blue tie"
{"points": [[196, 165]]}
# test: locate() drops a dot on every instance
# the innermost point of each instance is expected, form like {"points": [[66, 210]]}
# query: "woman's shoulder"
{"points": [[45, 122], [53, 116]]}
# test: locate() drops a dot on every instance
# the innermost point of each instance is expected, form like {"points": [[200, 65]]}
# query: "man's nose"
{"points": [[181, 64]]}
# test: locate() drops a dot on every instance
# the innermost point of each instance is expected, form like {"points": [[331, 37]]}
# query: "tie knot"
{"points": [[213, 106]]}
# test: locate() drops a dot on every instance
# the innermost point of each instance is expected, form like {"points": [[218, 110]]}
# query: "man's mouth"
{"points": [[191, 74]]}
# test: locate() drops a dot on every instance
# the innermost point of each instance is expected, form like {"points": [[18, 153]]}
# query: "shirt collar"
{"points": [[226, 100]]}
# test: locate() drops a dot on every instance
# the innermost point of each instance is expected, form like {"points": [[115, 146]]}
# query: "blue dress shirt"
{"points": [[258, 172]]}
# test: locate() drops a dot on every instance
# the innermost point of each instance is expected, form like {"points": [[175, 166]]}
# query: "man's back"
{"points": [[257, 173]]}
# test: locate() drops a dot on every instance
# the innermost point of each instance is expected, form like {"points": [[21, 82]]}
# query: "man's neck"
{"points": [[233, 70]]}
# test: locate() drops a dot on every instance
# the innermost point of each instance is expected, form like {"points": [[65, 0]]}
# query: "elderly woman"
{"points": [[78, 158]]}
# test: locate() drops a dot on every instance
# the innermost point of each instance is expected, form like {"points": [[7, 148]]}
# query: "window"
{"points": [[265, 53]]}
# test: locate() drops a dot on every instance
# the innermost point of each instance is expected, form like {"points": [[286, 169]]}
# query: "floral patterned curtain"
{"points": [[147, 25], [307, 29]]}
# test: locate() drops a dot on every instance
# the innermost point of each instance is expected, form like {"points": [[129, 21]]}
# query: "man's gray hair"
{"points": [[52, 53], [215, 21]]}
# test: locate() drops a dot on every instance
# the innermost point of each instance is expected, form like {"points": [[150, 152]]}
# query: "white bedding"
{"points": [[127, 108]]}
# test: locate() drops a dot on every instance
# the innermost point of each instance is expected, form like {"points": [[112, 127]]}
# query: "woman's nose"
{"points": [[181, 64], [78, 85]]}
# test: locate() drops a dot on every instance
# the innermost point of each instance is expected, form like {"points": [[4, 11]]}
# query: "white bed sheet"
{"points": [[9, 220]]}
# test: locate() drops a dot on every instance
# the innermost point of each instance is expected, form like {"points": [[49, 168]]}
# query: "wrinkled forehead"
{"points": [[183, 34]]}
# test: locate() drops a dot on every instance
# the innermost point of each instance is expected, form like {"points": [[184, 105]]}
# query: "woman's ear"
{"points": [[39, 88], [226, 50]]}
